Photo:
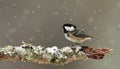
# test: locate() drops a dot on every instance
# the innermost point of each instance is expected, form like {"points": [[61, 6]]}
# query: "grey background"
{"points": [[39, 22]]}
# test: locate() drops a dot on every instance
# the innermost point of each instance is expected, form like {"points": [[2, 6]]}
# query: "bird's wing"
{"points": [[79, 33]]}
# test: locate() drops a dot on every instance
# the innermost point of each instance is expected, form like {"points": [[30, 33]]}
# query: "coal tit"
{"points": [[75, 35]]}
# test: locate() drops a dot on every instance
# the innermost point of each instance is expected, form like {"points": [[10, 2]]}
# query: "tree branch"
{"points": [[51, 55]]}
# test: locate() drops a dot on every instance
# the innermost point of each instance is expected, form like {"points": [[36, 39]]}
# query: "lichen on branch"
{"points": [[51, 55]]}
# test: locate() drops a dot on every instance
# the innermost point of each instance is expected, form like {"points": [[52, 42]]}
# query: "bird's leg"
{"points": [[75, 44]]}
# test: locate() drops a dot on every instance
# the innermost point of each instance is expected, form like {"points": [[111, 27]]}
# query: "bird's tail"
{"points": [[96, 39]]}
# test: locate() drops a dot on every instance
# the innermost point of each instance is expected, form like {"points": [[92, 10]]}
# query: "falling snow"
{"points": [[95, 12], [33, 12], [65, 1], [119, 25], [55, 13], [100, 10], [74, 14], [14, 5], [38, 6], [96, 27], [15, 17], [70, 19], [82, 29], [51, 35], [77, 1], [118, 5]]}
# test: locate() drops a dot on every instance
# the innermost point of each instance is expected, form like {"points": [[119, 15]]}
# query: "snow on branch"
{"points": [[51, 55]]}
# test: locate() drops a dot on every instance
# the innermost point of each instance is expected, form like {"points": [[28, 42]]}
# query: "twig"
{"points": [[51, 55]]}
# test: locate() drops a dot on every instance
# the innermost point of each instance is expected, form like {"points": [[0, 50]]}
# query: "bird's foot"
{"points": [[76, 44]]}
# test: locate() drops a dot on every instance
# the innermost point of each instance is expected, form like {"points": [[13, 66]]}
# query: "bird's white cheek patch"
{"points": [[69, 28], [72, 28]]}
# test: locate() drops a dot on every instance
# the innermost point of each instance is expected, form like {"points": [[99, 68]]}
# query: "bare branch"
{"points": [[51, 55]]}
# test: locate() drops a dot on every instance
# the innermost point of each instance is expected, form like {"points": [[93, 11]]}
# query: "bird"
{"points": [[72, 33]]}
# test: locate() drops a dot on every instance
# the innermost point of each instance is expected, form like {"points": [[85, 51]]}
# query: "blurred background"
{"points": [[39, 22]]}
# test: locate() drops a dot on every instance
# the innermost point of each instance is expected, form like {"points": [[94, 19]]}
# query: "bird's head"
{"points": [[68, 27]]}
